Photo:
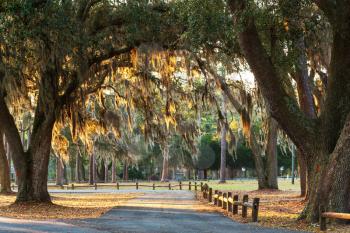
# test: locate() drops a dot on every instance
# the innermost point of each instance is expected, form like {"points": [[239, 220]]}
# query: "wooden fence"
{"points": [[170, 186], [230, 202]]}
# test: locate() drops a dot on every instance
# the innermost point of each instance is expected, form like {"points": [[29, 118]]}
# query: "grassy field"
{"points": [[251, 185], [230, 185]]}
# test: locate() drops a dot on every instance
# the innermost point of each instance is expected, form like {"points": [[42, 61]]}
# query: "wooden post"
{"points": [[215, 198], [189, 185], [255, 210], [244, 208], [195, 186], [220, 201], [235, 206], [95, 186], [118, 185], [180, 184], [154, 186], [323, 220], [229, 204], [224, 204], [210, 198], [169, 186], [72, 186], [137, 185]]}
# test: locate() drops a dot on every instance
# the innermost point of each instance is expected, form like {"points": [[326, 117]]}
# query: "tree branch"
{"points": [[283, 107], [113, 52]]}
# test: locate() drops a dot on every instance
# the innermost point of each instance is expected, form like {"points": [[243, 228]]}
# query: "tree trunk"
{"points": [[114, 173], [77, 168], [125, 171], [271, 153], [94, 168], [40, 153], [59, 171], [106, 170], [223, 154], [165, 170], [302, 174], [5, 179], [91, 170], [205, 171]]}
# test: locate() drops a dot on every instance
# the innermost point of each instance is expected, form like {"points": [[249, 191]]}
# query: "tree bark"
{"points": [[302, 174], [5, 179]]}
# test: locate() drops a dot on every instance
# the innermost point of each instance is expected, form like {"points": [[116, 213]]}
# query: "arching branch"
{"points": [[283, 107]]}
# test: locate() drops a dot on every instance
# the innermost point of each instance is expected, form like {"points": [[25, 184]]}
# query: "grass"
{"points": [[64, 206], [251, 185]]}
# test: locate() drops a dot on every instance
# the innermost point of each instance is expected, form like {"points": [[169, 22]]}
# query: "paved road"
{"points": [[160, 211]]}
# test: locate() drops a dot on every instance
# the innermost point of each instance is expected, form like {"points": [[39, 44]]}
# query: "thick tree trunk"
{"points": [[5, 179], [114, 173], [271, 153], [40, 153], [165, 169]]}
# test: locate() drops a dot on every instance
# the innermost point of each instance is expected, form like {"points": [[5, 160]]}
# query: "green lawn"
{"points": [[250, 185]]}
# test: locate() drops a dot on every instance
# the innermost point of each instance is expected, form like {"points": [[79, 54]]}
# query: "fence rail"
{"points": [[324, 215], [170, 186], [230, 202]]}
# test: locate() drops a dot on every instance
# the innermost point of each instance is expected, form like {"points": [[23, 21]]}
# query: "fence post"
{"points": [[235, 206], [323, 220], [220, 201], [169, 186], [137, 185], [224, 204], [72, 186], [195, 186], [255, 210], [180, 183], [189, 185], [229, 204], [118, 185], [154, 186], [216, 198], [95, 186], [244, 208], [210, 198]]}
